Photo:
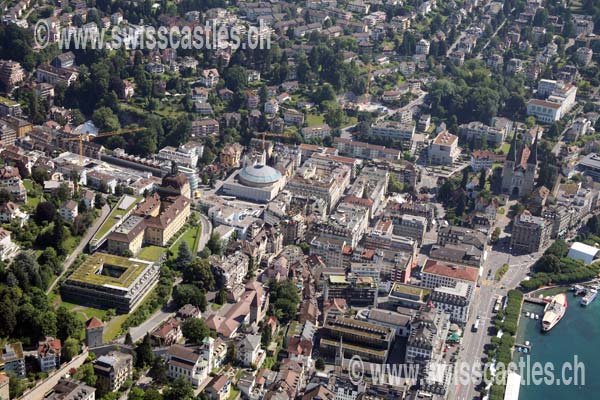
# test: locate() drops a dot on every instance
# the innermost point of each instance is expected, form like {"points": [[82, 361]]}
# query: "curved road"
{"points": [[138, 332], [205, 233]]}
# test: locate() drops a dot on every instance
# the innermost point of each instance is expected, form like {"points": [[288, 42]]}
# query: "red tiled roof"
{"points": [[49, 346], [456, 272], [93, 323]]}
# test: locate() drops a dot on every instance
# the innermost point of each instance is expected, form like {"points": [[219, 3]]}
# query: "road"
{"points": [[206, 232], [82, 243], [473, 343], [479, 55], [160, 316]]}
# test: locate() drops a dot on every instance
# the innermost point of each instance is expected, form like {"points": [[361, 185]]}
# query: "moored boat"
{"points": [[554, 311]]}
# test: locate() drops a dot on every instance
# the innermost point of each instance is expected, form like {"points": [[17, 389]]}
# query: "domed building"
{"points": [[255, 181], [258, 175]]}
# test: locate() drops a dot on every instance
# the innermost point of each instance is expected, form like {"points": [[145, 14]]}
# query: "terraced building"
{"points": [[109, 281]]}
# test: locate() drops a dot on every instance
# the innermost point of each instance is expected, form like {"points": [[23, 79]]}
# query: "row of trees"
{"points": [[501, 348], [554, 267]]}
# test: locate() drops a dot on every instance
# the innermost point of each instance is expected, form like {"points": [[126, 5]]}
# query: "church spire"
{"points": [[512, 152], [532, 159]]}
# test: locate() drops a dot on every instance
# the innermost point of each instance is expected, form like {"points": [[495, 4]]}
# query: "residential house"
{"points": [[49, 354], [112, 370], [68, 211], [209, 77], [168, 333], [248, 350], [191, 364]]}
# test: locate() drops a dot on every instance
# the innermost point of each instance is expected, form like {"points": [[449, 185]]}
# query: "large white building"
{"points": [[454, 301], [559, 103], [583, 252], [436, 274], [444, 149], [192, 364], [255, 182], [186, 156], [394, 130]]}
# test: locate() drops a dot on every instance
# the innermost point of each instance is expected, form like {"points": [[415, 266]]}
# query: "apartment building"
{"points": [[12, 360], [205, 127], [47, 73], [484, 160], [394, 130], [48, 353], [11, 73], [69, 211], [67, 389], [364, 150], [183, 155], [444, 149], [479, 131], [460, 235], [427, 338], [530, 234], [370, 341], [329, 249], [454, 301], [230, 270], [437, 274], [189, 363], [112, 370], [316, 132], [326, 181], [411, 226], [357, 291]]}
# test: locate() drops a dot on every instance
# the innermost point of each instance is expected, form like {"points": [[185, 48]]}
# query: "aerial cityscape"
{"points": [[299, 199]]}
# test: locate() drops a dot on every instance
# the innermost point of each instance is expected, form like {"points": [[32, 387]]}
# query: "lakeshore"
{"points": [[576, 334]]}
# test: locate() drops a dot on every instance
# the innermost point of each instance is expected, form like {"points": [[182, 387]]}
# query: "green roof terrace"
{"points": [[101, 269]]}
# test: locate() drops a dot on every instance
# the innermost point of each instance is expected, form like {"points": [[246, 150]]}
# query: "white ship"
{"points": [[554, 311], [589, 297]]}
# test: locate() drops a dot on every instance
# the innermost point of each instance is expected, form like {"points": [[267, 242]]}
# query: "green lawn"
{"points": [[71, 243], [28, 184], [113, 328], [189, 237], [151, 253], [234, 393], [350, 122], [83, 313], [115, 215], [501, 272], [216, 306], [32, 201], [315, 120], [505, 148]]}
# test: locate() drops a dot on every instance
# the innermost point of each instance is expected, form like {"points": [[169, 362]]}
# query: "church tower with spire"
{"points": [[520, 169], [509, 166], [531, 168]]}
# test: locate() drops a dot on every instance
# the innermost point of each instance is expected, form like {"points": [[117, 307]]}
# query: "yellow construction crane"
{"points": [[86, 137]]}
